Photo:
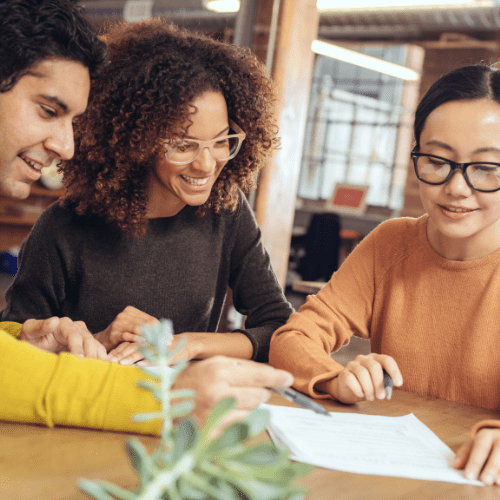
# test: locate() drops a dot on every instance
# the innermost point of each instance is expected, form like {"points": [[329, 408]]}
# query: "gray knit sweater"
{"points": [[84, 268]]}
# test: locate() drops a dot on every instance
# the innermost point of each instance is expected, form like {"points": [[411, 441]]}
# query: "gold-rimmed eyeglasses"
{"points": [[223, 148]]}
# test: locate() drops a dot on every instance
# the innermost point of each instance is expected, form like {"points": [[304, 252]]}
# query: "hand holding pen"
{"points": [[363, 379]]}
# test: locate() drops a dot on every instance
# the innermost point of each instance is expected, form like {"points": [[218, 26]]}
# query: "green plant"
{"points": [[190, 463]]}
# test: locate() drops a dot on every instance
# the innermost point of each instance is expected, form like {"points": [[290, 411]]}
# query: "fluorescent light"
{"points": [[359, 59], [375, 4], [222, 5]]}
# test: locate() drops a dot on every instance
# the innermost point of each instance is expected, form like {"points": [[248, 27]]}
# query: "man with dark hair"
{"points": [[48, 56]]}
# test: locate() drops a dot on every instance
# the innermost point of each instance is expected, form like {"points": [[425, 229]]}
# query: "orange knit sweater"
{"points": [[439, 319]]}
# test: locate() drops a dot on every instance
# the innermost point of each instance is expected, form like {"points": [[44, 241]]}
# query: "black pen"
{"points": [[300, 399], [388, 385]]}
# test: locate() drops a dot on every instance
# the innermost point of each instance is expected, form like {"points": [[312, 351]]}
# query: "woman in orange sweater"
{"points": [[424, 291]]}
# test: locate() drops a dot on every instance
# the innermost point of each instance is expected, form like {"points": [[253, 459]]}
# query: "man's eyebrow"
{"points": [[221, 132]]}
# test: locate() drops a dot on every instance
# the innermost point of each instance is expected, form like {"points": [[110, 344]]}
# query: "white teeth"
{"points": [[458, 210], [32, 164], [195, 181]]}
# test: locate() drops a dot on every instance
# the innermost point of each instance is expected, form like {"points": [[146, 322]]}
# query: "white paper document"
{"points": [[365, 444]]}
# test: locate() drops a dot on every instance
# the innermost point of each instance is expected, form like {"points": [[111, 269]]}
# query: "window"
{"points": [[359, 129]]}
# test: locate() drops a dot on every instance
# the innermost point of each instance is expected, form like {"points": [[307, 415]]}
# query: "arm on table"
{"points": [[199, 345], [256, 292], [325, 323], [71, 391]]}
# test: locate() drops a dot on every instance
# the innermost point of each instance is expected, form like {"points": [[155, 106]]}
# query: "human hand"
{"points": [[480, 457], [363, 379], [196, 345], [126, 327], [62, 335], [220, 377]]}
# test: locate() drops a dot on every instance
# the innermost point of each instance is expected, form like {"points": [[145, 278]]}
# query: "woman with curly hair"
{"points": [[154, 222]]}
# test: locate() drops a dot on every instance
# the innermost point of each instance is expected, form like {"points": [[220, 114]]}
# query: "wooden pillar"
{"points": [[292, 72]]}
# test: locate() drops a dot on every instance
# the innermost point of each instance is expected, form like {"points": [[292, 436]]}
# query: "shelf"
{"points": [[38, 190], [17, 221]]}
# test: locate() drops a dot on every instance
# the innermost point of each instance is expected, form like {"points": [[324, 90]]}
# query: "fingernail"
{"points": [[488, 479], [398, 381], [471, 475], [381, 395], [370, 398], [80, 355], [113, 359], [289, 380], [124, 362]]}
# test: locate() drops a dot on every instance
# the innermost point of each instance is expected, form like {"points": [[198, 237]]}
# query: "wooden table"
{"points": [[44, 464]]}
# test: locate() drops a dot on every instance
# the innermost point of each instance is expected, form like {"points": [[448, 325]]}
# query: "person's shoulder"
{"points": [[400, 230], [397, 239], [54, 216], [242, 209]]}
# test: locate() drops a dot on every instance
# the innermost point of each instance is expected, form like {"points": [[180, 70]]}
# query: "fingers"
{"points": [[127, 326], [127, 353], [77, 339], [480, 457], [35, 328], [219, 377], [131, 320], [246, 373], [462, 455], [363, 378]]}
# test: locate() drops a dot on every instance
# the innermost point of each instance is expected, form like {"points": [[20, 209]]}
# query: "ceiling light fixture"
{"points": [[363, 60], [222, 5], [375, 4]]}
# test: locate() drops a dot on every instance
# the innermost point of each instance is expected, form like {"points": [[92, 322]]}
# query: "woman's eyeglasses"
{"points": [[481, 176], [222, 148]]}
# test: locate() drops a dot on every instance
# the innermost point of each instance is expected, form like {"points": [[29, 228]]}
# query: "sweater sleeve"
{"points": [[11, 328], [485, 424], [256, 291], [43, 388], [326, 322]]}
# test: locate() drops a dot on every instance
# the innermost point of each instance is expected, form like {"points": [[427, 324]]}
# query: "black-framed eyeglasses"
{"points": [[481, 176]]}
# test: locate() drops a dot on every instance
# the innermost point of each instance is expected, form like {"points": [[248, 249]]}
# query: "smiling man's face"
{"points": [[36, 121]]}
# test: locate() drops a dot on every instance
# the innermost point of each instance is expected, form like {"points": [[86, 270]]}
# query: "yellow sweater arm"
{"points": [[43, 388], [11, 328]]}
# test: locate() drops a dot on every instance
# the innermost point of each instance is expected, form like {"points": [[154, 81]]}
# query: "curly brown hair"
{"points": [[142, 98]]}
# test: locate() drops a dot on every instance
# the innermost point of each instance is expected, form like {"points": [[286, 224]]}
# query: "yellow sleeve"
{"points": [[11, 328], [44, 388]]}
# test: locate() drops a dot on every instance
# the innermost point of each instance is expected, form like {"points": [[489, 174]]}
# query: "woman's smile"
{"points": [[464, 224]]}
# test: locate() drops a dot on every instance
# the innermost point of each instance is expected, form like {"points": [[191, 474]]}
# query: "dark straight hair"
{"points": [[34, 30], [461, 84]]}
